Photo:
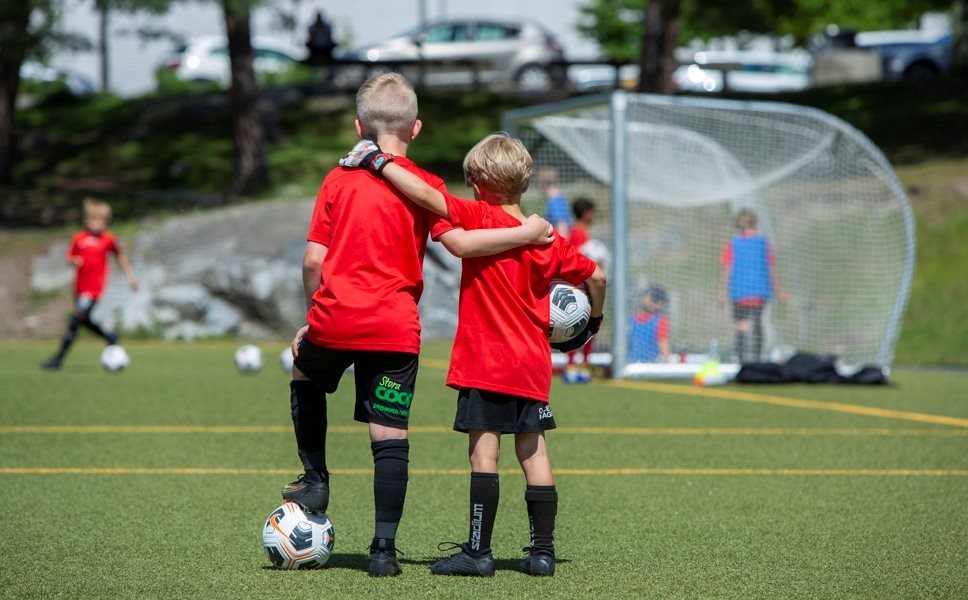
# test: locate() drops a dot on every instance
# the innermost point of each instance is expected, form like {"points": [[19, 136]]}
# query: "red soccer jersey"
{"points": [[502, 329], [372, 276], [92, 274], [578, 236]]}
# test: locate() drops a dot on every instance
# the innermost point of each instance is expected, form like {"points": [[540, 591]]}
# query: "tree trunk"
{"points": [[660, 36], [251, 169], [102, 47], [14, 40]]}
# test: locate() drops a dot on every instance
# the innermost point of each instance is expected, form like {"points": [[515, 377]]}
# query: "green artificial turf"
{"points": [[629, 534]]}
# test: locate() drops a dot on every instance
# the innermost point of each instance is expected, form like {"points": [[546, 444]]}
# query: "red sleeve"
{"points": [[726, 258], [319, 225], [663, 329], [466, 214], [574, 268], [112, 245]]}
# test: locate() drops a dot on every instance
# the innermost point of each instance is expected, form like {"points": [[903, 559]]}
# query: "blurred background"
{"points": [[209, 125]]}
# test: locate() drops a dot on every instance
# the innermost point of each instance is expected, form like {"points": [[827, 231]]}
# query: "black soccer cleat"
{"points": [[53, 364], [310, 491], [539, 565], [383, 559], [463, 563]]}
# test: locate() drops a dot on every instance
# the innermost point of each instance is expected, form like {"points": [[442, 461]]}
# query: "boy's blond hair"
{"points": [[97, 209], [501, 164], [386, 104]]}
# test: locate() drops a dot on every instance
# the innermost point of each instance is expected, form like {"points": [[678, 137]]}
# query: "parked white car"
{"points": [[744, 72], [206, 59]]}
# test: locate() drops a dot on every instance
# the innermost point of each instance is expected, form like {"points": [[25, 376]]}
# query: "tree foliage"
{"points": [[617, 24]]}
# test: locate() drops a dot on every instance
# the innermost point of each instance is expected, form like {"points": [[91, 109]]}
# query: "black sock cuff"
{"points": [[541, 493], [398, 449], [302, 386], [479, 475]]}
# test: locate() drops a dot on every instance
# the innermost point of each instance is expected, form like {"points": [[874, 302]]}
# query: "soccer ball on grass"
{"points": [[294, 539], [114, 358], [248, 358]]}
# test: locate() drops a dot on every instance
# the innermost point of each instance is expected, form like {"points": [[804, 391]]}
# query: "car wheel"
{"points": [[921, 70], [534, 78]]}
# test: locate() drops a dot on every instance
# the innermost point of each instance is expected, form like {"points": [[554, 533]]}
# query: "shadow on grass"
{"points": [[500, 564], [352, 562]]}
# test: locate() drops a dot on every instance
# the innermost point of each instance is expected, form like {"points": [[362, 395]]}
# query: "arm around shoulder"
{"points": [[415, 188]]}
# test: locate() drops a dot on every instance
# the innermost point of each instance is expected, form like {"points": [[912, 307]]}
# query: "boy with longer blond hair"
{"points": [[88, 254], [362, 275], [501, 361]]}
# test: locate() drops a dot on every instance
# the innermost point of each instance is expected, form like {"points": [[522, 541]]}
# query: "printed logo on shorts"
{"points": [[389, 393], [544, 412]]}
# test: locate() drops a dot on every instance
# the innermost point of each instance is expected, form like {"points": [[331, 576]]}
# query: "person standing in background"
{"points": [[747, 275]]}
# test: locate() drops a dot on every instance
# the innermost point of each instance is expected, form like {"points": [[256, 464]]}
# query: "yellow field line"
{"points": [[685, 390], [855, 409], [634, 431], [675, 471]]}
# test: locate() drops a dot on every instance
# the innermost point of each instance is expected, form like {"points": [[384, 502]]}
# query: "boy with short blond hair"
{"points": [[88, 254], [501, 361], [362, 276]]}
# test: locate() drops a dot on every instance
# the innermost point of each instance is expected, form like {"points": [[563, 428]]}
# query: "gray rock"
{"points": [[222, 316], [189, 299], [50, 271]]}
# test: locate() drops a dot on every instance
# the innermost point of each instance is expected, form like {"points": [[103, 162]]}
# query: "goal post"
{"points": [[827, 268]]}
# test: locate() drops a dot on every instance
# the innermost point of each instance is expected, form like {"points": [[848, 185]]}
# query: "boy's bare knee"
{"points": [[380, 433], [298, 375], [526, 445]]}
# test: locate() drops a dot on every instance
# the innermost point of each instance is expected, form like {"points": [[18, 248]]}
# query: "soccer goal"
{"points": [[826, 266]]}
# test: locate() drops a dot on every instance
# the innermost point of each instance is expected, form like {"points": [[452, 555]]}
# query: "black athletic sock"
{"points": [[96, 330], [390, 462], [308, 406], [69, 336], [542, 510], [741, 346], [757, 339], [485, 493]]}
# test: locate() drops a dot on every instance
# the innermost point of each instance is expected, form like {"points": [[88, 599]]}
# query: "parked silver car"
{"points": [[909, 54], [508, 52]]}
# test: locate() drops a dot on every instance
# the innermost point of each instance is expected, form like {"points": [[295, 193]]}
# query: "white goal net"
{"points": [[749, 230]]}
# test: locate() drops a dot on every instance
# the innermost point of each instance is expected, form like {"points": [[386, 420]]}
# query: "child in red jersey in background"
{"points": [[584, 211], [362, 277], [89, 255], [501, 361]]}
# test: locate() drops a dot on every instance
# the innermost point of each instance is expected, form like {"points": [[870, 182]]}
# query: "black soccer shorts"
{"points": [[743, 312], [385, 381], [504, 413]]}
